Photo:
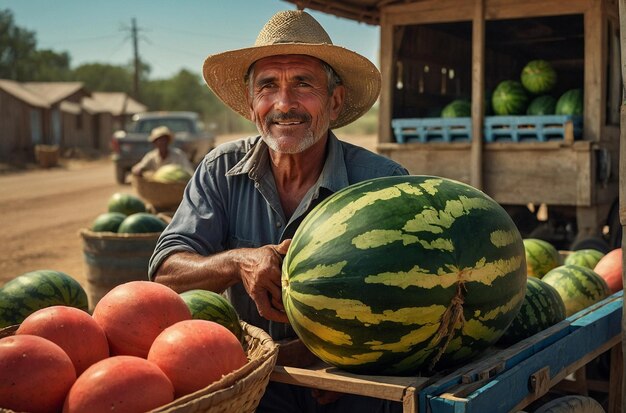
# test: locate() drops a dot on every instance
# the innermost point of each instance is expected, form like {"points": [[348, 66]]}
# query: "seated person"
{"points": [[162, 154]]}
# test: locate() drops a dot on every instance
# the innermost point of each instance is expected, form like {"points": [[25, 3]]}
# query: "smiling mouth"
{"points": [[291, 123]]}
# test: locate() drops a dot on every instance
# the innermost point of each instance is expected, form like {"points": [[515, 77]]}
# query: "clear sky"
{"points": [[174, 34]]}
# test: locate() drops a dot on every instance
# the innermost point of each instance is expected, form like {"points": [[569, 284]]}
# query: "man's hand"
{"points": [[260, 275]]}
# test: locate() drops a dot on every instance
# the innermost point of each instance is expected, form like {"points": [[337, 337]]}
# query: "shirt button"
{"points": [[256, 184], [279, 224]]}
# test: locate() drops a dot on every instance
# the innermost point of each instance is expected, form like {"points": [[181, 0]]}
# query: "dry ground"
{"points": [[42, 212]]}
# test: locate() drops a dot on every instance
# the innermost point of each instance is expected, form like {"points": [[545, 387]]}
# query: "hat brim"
{"points": [[224, 74]]}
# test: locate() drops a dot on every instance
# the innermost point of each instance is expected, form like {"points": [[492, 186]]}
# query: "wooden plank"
{"points": [[478, 93], [615, 380], [512, 9], [324, 377], [428, 11], [594, 104], [386, 69]]}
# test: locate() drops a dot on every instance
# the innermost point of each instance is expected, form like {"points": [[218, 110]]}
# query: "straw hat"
{"points": [[160, 131], [294, 32]]}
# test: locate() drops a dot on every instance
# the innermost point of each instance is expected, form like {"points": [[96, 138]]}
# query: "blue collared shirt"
{"points": [[232, 202]]}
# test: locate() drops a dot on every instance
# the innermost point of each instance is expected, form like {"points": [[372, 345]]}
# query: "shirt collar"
{"points": [[334, 175]]}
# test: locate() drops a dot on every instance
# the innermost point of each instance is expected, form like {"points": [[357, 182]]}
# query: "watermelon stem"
{"points": [[451, 321]]}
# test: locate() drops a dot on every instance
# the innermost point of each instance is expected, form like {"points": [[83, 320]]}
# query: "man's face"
{"points": [[290, 103], [162, 143]]}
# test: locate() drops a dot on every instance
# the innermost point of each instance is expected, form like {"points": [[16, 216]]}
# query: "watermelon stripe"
{"points": [[392, 273]]}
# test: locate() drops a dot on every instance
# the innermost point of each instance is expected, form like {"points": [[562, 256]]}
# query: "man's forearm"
{"points": [[185, 271]]}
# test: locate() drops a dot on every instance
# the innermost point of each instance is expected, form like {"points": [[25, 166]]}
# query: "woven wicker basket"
{"points": [[161, 196], [237, 392]]}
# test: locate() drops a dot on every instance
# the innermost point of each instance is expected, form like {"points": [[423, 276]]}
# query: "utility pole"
{"points": [[136, 58]]}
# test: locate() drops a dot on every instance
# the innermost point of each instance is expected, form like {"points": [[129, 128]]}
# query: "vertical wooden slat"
{"points": [[386, 68], [594, 72], [622, 175], [478, 93]]}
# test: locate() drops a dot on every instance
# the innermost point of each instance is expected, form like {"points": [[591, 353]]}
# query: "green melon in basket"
{"points": [[171, 173], [208, 305], [141, 222], [396, 275], [570, 103], [457, 109], [538, 76], [107, 222], [39, 289], [541, 106], [126, 204], [509, 98]]}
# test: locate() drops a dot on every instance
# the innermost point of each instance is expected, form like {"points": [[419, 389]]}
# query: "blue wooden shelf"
{"points": [[496, 129]]}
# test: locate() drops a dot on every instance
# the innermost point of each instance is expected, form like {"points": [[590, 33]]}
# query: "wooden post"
{"points": [[386, 69], [622, 173], [478, 93]]}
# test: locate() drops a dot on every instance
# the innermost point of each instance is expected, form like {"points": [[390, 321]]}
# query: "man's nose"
{"points": [[286, 99]]}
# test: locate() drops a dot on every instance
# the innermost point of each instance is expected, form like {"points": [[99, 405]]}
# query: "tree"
{"points": [[51, 66], [104, 77], [16, 49]]}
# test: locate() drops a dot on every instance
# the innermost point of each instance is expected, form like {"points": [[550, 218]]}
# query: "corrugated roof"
{"points": [[54, 92], [118, 103], [18, 91]]}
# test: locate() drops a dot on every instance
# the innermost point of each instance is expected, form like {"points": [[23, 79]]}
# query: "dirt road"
{"points": [[42, 211]]}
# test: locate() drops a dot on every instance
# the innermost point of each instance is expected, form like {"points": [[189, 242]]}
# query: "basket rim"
{"points": [[87, 234]]}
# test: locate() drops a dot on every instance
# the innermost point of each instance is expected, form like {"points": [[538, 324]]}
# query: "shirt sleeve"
{"points": [[199, 223], [144, 164]]}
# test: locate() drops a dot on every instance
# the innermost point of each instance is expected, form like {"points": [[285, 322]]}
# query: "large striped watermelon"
{"points": [[541, 257], [392, 275], [211, 306], [538, 76], [579, 287], [107, 222], [35, 290], [542, 308], [585, 258], [509, 98]]}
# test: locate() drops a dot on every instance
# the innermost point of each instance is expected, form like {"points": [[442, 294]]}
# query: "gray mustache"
{"points": [[292, 115]]}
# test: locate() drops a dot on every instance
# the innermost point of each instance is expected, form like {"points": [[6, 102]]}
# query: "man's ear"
{"points": [[250, 109], [336, 101]]}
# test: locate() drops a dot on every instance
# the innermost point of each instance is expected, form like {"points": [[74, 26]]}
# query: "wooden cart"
{"points": [[503, 380], [433, 51]]}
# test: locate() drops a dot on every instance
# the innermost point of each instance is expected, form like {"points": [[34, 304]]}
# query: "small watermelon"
{"points": [[35, 290], [585, 258], [126, 204], [171, 173], [538, 76], [141, 222], [542, 308], [107, 222], [509, 98], [579, 287], [542, 105], [570, 103], [541, 257], [396, 275], [208, 305], [457, 109]]}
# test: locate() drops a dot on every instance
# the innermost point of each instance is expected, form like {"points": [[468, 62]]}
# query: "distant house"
{"points": [[22, 115], [58, 113]]}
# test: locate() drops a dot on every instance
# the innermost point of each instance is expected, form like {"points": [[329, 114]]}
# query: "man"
{"points": [[163, 154], [247, 197]]}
